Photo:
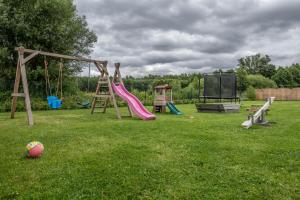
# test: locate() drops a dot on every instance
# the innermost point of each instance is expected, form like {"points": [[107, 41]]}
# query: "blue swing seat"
{"points": [[54, 102]]}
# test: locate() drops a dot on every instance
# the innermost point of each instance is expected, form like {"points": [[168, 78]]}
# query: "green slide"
{"points": [[173, 109]]}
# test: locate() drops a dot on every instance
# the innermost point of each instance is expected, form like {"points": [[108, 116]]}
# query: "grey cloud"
{"points": [[162, 36]]}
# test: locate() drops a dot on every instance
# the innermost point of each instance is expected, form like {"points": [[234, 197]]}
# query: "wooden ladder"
{"points": [[102, 97], [104, 92]]}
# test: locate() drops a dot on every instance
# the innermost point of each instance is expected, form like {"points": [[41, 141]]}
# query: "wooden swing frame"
{"points": [[21, 75]]}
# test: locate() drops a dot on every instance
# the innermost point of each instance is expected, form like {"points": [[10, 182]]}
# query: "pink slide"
{"points": [[134, 103]]}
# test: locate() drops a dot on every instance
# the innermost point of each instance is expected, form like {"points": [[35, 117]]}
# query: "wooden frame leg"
{"points": [[114, 100], [16, 90], [94, 99], [105, 105], [26, 90]]}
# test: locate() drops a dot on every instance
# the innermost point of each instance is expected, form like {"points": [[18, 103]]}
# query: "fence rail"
{"points": [[279, 93]]}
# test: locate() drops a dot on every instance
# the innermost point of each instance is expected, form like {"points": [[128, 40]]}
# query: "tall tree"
{"points": [[257, 64], [283, 77], [40, 24], [268, 70], [295, 71]]}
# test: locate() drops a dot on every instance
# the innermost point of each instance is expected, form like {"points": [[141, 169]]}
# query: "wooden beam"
{"points": [[18, 94], [102, 95], [56, 55], [102, 67], [117, 75], [30, 57], [26, 90], [16, 90]]}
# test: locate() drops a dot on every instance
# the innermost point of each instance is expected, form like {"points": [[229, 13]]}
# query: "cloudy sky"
{"points": [[185, 36]]}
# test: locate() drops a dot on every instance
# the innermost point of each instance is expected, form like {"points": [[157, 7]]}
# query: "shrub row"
{"points": [[74, 102]]}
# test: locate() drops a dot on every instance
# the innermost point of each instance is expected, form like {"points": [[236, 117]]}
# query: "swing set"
{"points": [[25, 55]]}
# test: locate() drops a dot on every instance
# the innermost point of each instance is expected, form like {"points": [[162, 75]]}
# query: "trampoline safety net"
{"points": [[220, 86]]}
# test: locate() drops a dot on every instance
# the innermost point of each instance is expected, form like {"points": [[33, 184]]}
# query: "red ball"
{"points": [[34, 149]]}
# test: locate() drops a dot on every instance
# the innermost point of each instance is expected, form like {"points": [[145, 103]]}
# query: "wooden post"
{"points": [[25, 88], [21, 73], [118, 78], [117, 74], [97, 91], [104, 66], [16, 89]]}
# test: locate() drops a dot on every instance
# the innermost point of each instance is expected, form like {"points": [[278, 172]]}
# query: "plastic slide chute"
{"points": [[133, 102], [173, 109]]}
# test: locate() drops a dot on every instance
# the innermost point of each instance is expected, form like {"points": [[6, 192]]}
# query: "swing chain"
{"points": [[47, 78], [60, 79]]}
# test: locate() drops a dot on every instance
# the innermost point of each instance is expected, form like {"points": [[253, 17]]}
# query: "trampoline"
{"points": [[220, 86]]}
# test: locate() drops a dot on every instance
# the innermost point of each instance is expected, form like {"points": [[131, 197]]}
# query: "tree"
{"points": [[283, 77], [295, 71], [242, 82], [40, 24], [268, 70], [257, 64]]}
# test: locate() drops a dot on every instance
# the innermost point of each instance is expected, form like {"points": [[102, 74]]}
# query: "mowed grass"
{"points": [[193, 156]]}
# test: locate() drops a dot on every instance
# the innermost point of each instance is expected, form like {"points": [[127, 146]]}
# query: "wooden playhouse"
{"points": [[162, 95]]}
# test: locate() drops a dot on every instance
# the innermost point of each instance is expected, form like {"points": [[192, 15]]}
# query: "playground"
{"points": [[195, 155], [220, 147], [149, 100]]}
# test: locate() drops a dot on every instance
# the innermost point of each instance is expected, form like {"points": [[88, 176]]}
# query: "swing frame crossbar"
{"points": [[24, 56]]}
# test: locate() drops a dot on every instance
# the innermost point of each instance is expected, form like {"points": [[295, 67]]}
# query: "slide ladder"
{"points": [[104, 93]]}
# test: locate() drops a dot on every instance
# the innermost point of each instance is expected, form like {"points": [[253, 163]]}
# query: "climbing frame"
{"points": [[104, 92]]}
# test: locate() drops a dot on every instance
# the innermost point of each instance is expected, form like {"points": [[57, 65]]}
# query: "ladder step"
{"points": [[18, 94], [103, 82], [100, 102], [98, 111], [101, 96], [99, 107]]}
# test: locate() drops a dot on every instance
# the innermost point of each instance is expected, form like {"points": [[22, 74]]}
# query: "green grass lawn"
{"points": [[193, 156]]}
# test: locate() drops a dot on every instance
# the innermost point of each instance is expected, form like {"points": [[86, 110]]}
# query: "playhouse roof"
{"points": [[166, 87]]}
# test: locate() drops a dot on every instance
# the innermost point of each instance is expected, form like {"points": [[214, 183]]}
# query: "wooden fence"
{"points": [[279, 93]]}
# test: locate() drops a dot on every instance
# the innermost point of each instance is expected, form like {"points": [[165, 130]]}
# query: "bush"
{"points": [[42, 104], [259, 81], [250, 93]]}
